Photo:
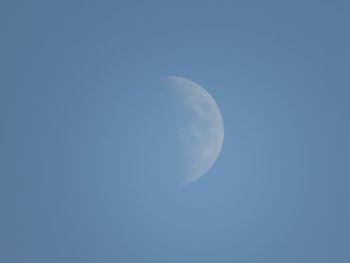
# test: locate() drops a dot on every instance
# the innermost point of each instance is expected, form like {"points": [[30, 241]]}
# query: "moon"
{"points": [[201, 133]]}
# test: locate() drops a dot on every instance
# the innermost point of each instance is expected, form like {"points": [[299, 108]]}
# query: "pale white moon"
{"points": [[202, 134]]}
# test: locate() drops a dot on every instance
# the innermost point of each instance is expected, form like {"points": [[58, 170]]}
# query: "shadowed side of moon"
{"points": [[200, 128]]}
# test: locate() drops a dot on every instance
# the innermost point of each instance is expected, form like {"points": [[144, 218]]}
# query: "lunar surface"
{"points": [[201, 130]]}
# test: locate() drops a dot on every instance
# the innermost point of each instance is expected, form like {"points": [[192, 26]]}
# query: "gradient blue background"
{"points": [[88, 154]]}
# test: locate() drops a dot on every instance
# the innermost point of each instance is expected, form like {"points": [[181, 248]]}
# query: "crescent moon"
{"points": [[202, 136]]}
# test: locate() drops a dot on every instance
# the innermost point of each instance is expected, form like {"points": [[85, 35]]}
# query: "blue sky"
{"points": [[89, 157]]}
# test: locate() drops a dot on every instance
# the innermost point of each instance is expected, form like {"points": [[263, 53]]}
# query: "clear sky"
{"points": [[88, 154]]}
